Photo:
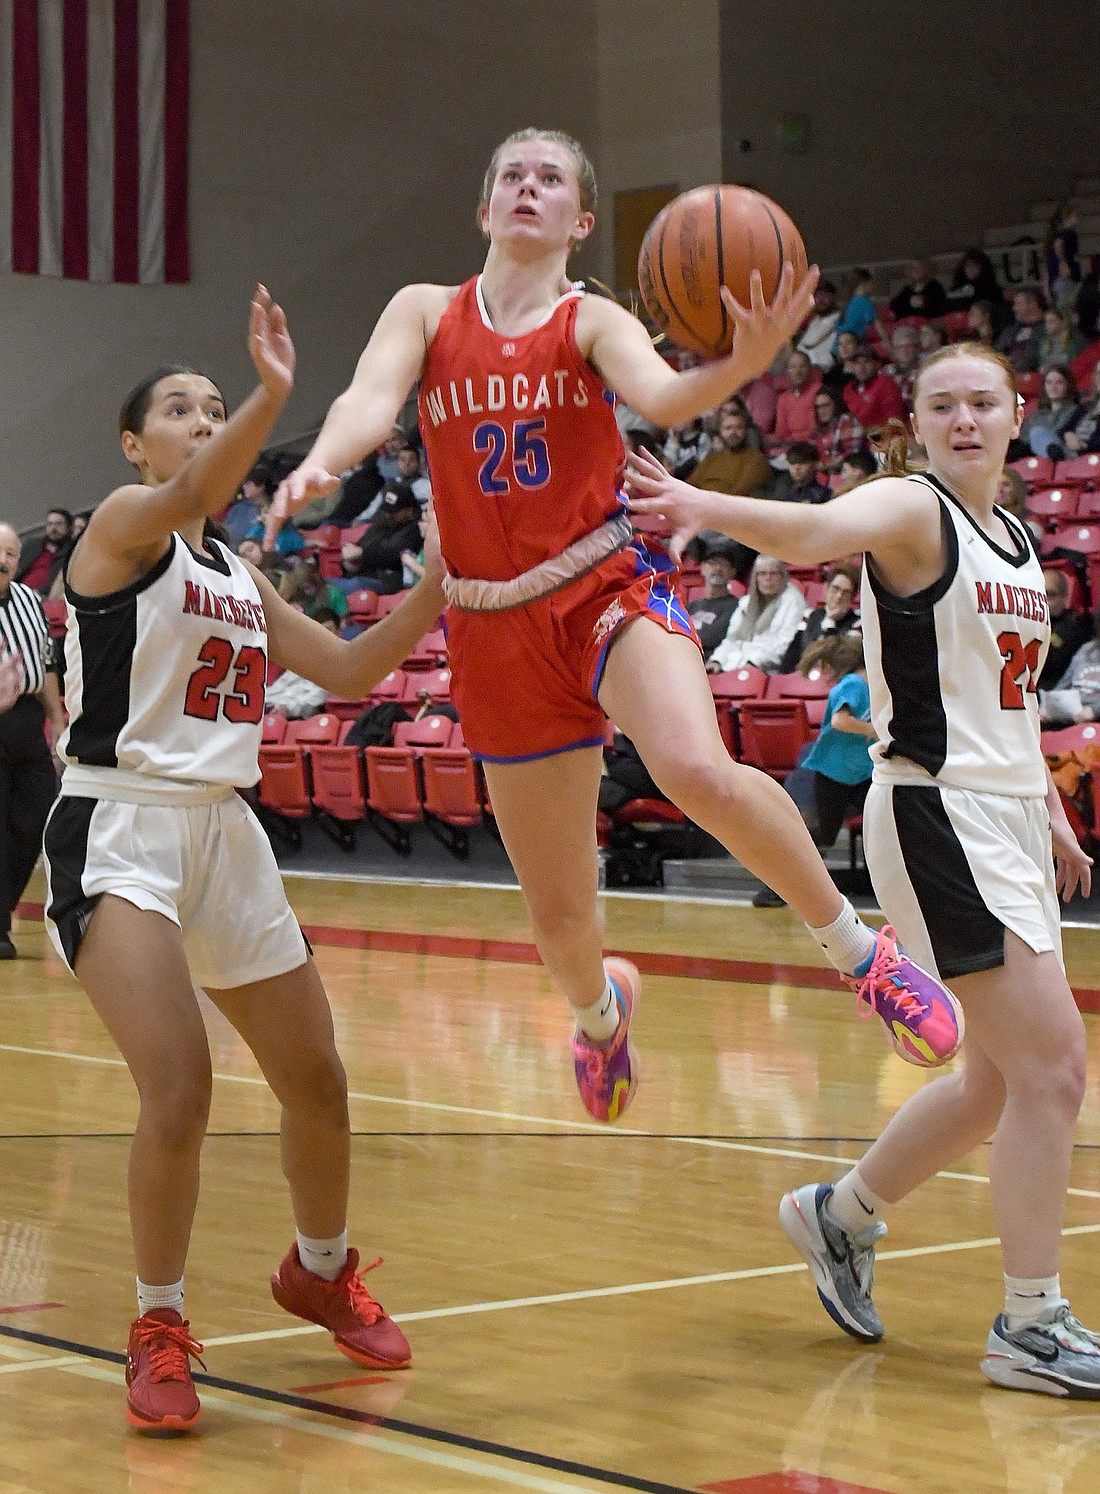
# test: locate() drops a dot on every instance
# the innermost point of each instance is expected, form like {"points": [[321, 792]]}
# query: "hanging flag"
{"points": [[93, 139]]}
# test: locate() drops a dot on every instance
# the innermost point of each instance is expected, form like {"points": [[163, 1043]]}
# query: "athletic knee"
{"points": [[694, 780], [319, 1085], [175, 1110], [1054, 1083], [560, 914]]}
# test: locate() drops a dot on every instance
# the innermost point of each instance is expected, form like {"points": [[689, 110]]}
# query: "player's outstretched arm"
{"points": [[897, 521], [626, 360], [136, 517]]}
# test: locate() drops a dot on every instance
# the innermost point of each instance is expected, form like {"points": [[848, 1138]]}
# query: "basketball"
{"points": [[703, 239]]}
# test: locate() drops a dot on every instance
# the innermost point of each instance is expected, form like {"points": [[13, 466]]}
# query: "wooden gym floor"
{"points": [[589, 1308]]}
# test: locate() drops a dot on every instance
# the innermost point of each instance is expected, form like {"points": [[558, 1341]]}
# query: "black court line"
{"points": [[364, 1418]]}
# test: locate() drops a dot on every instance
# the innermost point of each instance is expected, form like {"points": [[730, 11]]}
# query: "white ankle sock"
{"points": [[853, 1206], [151, 1297], [600, 1021], [1026, 1300], [847, 941], [325, 1258]]}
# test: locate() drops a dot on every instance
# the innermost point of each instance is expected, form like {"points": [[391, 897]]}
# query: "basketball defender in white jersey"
{"points": [[160, 876], [959, 826]]}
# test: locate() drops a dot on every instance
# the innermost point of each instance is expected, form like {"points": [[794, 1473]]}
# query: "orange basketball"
{"points": [[703, 239]]}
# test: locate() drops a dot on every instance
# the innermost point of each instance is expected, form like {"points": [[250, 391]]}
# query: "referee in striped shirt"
{"points": [[28, 782]]}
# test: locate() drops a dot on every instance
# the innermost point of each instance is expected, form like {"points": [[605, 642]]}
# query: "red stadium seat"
{"points": [[729, 690], [437, 682], [274, 728], [285, 788], [1084, 539], [773, 733], [1058, 504], [324, 728], [386, 604], [429, 653], [956, 324], [452, 796], [1079, 472], [353, 533], [392, 687], [345, 710], [1030, 384], [393, 794], [1035, 471], [339, 787], [429, 731], [362, 606], [812, 691]]}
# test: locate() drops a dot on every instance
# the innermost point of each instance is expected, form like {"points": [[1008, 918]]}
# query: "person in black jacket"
{"points": [[395, 528], [43, 559], [975, 279], [839, 614]]}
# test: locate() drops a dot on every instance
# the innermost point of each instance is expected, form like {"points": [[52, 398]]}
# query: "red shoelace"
{"points": [[363, 1304], [168, 1347]]}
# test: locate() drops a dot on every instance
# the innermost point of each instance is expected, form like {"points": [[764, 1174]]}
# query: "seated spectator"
{"points": [[1020, 339], [388, 453], [974, 279], [1084, 435], [930, 336], [1060, 341], [794, 407], [711, 613], [410, 469], [763, 622], [1061, 266], [412, 560], [873, 398], [292, 695], [1057, 412], [856, 467], [360, 494], [625, 776], [1084, 365], [395, 528], [1068, 629], [760, 398], [982, 323], [269, 562], [837, 433], [1012, 494], [80, 523], [43, 560], [799, 483], [839, 759], [246, 508], [289, 539], [842, 372], [816, 338], [306, 588], [838, 614], [905, 348], [685, 447], [860, 314], [921, 295], [1076, 696], [351, 577], [732, 466]]}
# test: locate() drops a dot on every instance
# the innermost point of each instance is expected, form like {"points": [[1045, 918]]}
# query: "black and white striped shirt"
{"points": [[24, 631]]}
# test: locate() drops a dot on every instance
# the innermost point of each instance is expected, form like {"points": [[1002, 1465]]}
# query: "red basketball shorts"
{"points": [[525, 681]]}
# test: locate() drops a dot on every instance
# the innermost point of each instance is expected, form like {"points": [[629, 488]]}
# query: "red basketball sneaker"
{"points": [[162, 1397], [356, 1321]]}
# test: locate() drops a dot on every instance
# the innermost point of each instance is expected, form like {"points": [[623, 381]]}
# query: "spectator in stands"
{"points": [[838, 614], [294, 696], [974, 279], [1020, 339], [685, 447], [44, 559], [412, 560], [1012, 494], [842, 373], [873, 398], [839, 759], [1061, 266], [905, 348], [817, 337], [711, 613], [1058, 411], [1084, 435], [304, 587], [360, 494], [1068, 629], [288, 541], [930, 336], [794, 407], [982, 323], [856, 467], [246, 508], [395, 529], [921, 295], [759, 398], [410, 469], [1076, 696], [732, 466], [1086, 305], [837, 433], [860, 314], [388, 453], [799, 483], [763, 622], [270, 562], [1060, 341]]}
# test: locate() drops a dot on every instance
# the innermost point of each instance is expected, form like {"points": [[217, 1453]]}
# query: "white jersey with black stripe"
{"points": [[954, 670], [165, 678]]}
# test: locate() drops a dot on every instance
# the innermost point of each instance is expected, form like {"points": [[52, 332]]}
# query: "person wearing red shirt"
{"points": [[873, 398], [794, 408]]}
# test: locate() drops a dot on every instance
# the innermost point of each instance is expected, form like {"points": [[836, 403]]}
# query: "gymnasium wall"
{"points": [[925, 121]]}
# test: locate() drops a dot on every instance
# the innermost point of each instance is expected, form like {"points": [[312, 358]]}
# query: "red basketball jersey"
{"points": [[523, 449]]}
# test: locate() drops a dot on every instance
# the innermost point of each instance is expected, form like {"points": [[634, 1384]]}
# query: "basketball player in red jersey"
{"points": [[159, 877], [557, 614], [960, 825]]}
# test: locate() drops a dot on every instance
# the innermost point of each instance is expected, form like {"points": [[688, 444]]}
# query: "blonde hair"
{"points": [[586, 176], [891, 441]]}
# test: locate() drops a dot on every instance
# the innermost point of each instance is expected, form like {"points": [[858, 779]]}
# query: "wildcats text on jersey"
{"points": [[1004, 600], [553, 391], [203, 602]]}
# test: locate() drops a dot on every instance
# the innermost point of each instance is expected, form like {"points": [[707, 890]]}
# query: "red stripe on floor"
{"points": [[512, 952], [30, 1307], [341, 1384], [789, 1481]]}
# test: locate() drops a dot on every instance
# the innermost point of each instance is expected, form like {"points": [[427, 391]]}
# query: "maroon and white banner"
{"points": [[93, 139]]}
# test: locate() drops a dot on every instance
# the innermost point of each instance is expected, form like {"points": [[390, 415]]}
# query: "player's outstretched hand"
{"points": [[302, 486], [652, 490], [269, 344], [760, 329], [1072, 868]]}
